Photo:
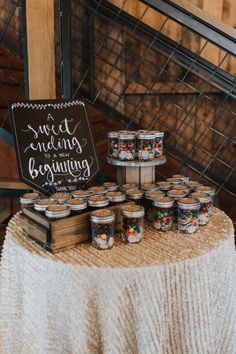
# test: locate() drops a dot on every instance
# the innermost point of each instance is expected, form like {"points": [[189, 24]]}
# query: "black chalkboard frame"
{"points": [[39, 104]]}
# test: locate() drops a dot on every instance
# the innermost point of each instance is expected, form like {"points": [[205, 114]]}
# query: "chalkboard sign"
{"points": [[54, 145]]}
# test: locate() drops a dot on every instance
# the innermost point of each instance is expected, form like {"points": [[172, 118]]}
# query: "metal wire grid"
{"points": [[11, 49], [112, 70]]}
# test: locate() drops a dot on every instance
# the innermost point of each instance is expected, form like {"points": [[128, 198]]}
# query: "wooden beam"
{"points": [[41, 49], [13, 183]]}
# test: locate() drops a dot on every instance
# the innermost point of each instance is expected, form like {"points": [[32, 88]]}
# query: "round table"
{"points": [[171, 293]]}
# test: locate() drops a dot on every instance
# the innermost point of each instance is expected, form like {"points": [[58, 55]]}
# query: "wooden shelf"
{"points": [[12, 183], [135, 163], [161, 88]]}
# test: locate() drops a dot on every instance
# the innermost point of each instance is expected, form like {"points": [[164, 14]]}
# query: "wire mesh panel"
{"points": [[11, 64], [139, 65]]}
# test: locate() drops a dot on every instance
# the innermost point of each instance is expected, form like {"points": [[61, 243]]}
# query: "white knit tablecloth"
{"points": [[172, 293]]}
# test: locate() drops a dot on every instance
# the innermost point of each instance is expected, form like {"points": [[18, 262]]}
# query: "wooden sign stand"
{"points": [[138, 172]]}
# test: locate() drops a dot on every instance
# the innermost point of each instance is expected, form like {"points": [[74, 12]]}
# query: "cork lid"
{"points": [[60, 195], [148, 186], [193, 184], [129, 185], [202, 197], [179, 176], [57, 208], [134, 211], [153, 194], [134, 193], [174, 180], [176, 194], [97, 198], [165, 202], [188, 203], [97, 189], [82, 193], [164, 184], [109, 184], [75, 201], [181, 188], [30, 196], [114, 194], [102, 216], [206, 189], [44, 202]]}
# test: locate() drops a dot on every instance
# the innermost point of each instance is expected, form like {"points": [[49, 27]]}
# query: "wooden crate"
{"points": [[61, 234]]}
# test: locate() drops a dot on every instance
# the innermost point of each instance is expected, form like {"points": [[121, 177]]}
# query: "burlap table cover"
{"points": [[172, 293]]}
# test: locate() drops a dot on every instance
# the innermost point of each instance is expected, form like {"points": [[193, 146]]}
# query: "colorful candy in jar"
{"points": [[209, 190], [127, 146], [102, 226], [132, 223], [205, 206], [188, 215], [176, 195], [145, 146], [158, 147], [113, 150], [148, 202], [163, 213], [183, 178], [136, 195]]}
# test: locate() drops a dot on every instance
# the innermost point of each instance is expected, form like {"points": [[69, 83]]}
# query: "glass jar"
{"points": [[209, 190], [176, 195], [145, 146], [148, 203], [29, 199], [148, 187], [193, 185], [136, 195], [205, 206], [183, 178], [42, 204], [81, 194], [98, 201], [188, 215], [163, 213], [127, 146], [175, 181], [182, 188], [158, 147], [57, 211], [76, 205], [129, 186], [60, 198], [132, 223], [111, 186], [98, 190], [103, 228], [113, 150], [164, 186], [116, 197]]}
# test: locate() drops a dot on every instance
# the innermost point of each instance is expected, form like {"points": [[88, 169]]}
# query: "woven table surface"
{"points": [[156, 247]]}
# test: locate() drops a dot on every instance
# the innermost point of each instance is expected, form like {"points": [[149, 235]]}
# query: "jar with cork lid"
{"points": [[164, 186], [113, 150], [116, 197], [98, 202], [205, 206], [103, 228], [135, 195], [111, 186], [188, 215], [193, 185], [127, 146], [132, 223], [29, 199], [175, 181], [145, 146], [148, 202], [176, 195], [57, 211], [76, 205], [209, 190], [60, 198], [163, 213], [81, 194]]}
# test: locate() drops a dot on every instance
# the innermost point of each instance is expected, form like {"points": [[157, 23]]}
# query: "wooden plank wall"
{"points": [[223, 10]]}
